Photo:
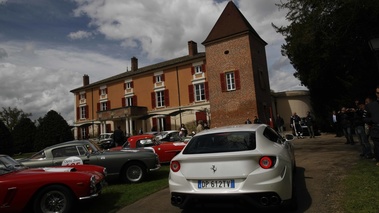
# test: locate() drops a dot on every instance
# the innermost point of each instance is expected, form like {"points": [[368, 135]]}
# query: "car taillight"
{"points": [[266, 162], [175, 166]]}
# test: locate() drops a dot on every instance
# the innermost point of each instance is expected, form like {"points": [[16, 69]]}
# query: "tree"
{"points": [[52, 129], [6, 140], [23, 136], [327, 44], [11, 117]]}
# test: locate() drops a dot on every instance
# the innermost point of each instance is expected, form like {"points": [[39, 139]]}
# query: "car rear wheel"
{"points": [[133, 173], [53, 198]]}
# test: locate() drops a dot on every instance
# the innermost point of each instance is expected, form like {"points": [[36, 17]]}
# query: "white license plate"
{"points": [[215, 184]]}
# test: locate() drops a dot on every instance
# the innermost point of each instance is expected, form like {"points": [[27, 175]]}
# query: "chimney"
{"points": [[192, 48], [85, 80], [134, 64]]}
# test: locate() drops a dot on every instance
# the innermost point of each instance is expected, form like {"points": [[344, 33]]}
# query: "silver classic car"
{"points": [[131, 166]]}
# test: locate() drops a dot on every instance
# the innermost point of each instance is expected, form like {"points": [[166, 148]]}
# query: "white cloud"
{"points": [[80, 35]]}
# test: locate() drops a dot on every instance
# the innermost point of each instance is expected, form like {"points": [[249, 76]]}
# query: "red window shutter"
{"points": [[134, 100], [166, 98], [131, 84], [223, 82], [237, 78], [153, 100], [77, 113], [167, 123], [87, 112], [191, 93], [85, 95], [106, 90], [124, 86], [162, 77], [193, 70], [108, 105], [123, 102], [203, 67], [98, 106], [154, 79], [206, 89]]}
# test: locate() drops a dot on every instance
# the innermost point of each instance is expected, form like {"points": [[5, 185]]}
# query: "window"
{"points": [[158, 78], [199, 92], [82, 96], [129, 101], [230, 81], [103, 91], [103, 106], [128, 85], [198, 69], [83, 112], [160, 99]]}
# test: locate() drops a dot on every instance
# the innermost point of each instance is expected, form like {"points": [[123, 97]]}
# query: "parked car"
{"points": [[53, 189], [106, 140], [165, 150], [249, 162], [130, 166], [170, 135]]}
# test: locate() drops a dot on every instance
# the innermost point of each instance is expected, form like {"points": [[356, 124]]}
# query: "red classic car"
{"points": [[165, 150], [52, 189]]}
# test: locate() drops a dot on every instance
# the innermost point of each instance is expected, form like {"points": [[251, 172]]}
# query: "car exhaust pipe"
{"points": [[274, 200], [177, 200], [264, 201]]}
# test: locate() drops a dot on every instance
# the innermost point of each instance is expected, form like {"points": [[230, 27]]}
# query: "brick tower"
{"points": [[237, 71]]}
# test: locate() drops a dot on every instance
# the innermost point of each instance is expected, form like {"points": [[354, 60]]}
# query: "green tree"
{"points": [[6, 140], [327, 42], [23, 136], [52, 129], [11, 116]]}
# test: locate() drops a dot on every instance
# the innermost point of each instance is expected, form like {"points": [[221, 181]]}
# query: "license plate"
{"points": [[215, 184]]}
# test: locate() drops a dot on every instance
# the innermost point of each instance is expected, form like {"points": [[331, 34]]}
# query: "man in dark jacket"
{"points": [[371, 117]]}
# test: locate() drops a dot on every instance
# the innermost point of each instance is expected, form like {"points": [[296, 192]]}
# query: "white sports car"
{"points": [[250, 163]]}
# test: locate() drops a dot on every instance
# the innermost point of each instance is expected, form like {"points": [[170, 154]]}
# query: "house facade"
{"points": [[224, 85]]}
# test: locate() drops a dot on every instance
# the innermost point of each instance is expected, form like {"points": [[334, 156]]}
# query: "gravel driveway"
{"points": [[321, 163]]}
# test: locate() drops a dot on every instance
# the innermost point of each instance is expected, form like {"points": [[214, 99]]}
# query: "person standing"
{"points": [[256, 120], [200, 126], [309, 122], [118, 136], [359, 127], [279, 123], [371, 117], [296, 126], [248, 121], [346, 124]]}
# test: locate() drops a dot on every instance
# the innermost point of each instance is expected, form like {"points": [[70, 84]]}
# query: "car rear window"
{"points": [[221, 142]]}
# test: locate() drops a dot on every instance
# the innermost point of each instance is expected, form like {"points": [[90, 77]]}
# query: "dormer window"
{"points": [[198, 69], [128, 85], [82, 96], [103, 91], [158, 78]]}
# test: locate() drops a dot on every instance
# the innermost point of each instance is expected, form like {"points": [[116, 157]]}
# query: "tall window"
{"points": [[83, 112], [199, 92], [230, 81], [160, 98], [128, 85], [129, 101], [82, 96], [103, 106]]}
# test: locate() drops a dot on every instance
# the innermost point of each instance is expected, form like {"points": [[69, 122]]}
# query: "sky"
{"points": [[46, 46]]}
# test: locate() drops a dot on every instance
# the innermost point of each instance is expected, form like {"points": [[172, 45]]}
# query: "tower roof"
{"points": [[230, 23]]}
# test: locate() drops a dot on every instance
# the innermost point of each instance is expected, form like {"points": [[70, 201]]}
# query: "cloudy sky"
{"points": [[46, 46]]}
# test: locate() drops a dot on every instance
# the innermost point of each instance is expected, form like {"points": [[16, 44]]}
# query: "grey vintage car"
{"points": [[130, 166]]}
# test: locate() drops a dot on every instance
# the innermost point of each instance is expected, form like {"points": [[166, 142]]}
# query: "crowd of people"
{"points": [[362, 119]]}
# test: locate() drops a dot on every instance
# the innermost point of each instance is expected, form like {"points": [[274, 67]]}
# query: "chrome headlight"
{"points": [[92, 184], [105, 172]]}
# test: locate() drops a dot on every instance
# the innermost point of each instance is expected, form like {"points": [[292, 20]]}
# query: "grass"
{"points": [[118, 195], [361, 187]]}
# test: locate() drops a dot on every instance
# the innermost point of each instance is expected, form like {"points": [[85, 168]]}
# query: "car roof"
{"points": [[232, 128], [74, 142]]}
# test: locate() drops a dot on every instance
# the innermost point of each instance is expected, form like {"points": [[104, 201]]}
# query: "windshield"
{"points": [[221, 142], [105, 136], [8, 164]]}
